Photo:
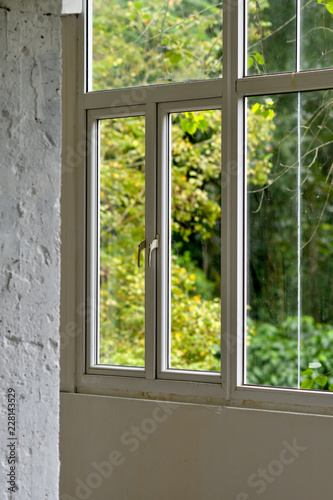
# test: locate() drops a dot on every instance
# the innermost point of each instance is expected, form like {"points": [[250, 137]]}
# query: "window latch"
{"points": [[141, 246], [152, 246]]}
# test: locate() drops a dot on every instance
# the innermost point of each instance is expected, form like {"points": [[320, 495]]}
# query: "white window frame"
{"points": [[158, 382]]}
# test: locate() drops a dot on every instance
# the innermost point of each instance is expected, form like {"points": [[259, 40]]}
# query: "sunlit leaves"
{"points": [[328, 4], [255, 58], [307, 384]]}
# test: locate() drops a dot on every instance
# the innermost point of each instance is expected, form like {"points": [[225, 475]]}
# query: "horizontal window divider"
{"points": [[285, 83], [123, 98], [117, 112], [201, 104], [191, 375], [122, 371]]}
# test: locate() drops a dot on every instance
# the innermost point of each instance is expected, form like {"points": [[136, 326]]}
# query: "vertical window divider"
{"points": [[299, 242], [298, 35], [93, 236], [299, 160], [163, 215], [150, 232], [232, 300], [88, 46]]}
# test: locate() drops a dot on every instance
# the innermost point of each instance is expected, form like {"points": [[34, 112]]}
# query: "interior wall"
{"points": [[30, 165], [122, 449]]}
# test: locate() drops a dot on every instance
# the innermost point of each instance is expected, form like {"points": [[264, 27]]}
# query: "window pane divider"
{"points": [[159, 93], [285, 82], [121, 371], [92, 308], [190, 376], [150, 232], [232, 300]]}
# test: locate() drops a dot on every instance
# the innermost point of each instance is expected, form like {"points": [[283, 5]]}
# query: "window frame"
{"points": [[232, 89]]}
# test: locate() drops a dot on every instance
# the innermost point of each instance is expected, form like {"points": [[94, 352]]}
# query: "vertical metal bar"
{"points": [[299, 161], [92, 282], [298, 35], [299, 242], [163, 217], [150, 232], [89, 46], [232, 199]]}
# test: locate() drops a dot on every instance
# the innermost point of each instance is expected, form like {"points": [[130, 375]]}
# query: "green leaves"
{"points": [[188, 126], [173, 56], [328, 4], [260, 127], [321, 380], [311, 380], [272, 354], [255, 58], [194, 121], [307, 384]]}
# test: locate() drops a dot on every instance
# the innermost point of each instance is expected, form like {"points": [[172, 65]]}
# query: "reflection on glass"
{"points": [[289, 341], [317, 34], [147, 42], [195, 240], [271, 36], [122, 227]]}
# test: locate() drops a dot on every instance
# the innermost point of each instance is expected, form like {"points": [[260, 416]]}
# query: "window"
{"points": [[209, 226]]}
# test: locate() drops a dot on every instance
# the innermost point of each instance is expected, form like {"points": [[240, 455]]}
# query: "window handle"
{"points": [[152, 246], [141, 246]]}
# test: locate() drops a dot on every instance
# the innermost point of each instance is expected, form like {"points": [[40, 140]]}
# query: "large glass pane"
{"points": [[147, 42], [289, 340], [317, 34], [271, 36], [122, 227], [195, 240]]}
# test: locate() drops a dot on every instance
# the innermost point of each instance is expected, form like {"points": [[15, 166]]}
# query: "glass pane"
{"points": [[155, 41], [317, 34], [271, 36], [122, 227], [289, 339], [195, 240]]}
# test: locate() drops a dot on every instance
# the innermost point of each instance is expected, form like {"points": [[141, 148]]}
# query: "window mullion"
{"points": [[150, 233], [232, 198], [163, 231], [93, 238]]}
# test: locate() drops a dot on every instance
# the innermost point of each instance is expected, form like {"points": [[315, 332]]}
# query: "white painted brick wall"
{"points": [[30, 165]]}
